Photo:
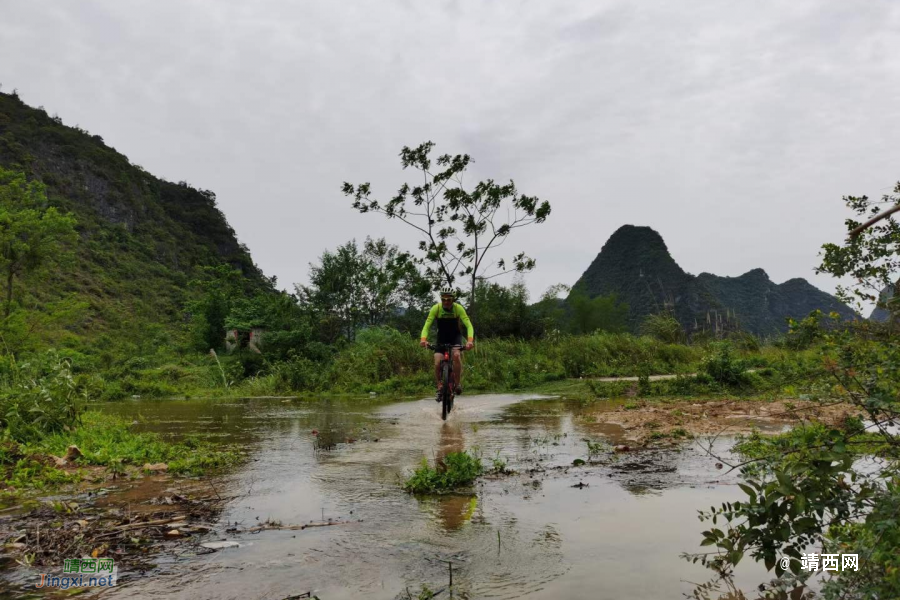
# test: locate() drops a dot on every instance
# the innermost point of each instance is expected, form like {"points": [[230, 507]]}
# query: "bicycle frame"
{"points": [[447, 392]]}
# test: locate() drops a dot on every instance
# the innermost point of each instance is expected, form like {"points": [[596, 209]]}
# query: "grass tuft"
{"points": [[456, 470]]}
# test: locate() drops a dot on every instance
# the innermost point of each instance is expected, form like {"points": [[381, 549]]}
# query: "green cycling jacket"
{"points": [[458, 312]]}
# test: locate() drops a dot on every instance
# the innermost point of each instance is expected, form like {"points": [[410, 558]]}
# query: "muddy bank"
{"points": [[647, 421], [131, 522]]}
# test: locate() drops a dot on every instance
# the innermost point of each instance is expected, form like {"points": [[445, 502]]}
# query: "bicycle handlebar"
{"points": [[442, 347]]}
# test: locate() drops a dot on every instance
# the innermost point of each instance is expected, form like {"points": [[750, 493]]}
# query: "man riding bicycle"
{"points": [[450, 317]]}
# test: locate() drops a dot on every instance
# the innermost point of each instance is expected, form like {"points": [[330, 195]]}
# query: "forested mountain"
{"points": [[635, 264], [140, 238]]}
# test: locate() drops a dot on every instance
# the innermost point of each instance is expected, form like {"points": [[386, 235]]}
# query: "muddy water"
{"points": [[531, 534]]}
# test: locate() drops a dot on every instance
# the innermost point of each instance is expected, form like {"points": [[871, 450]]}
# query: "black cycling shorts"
{"points": [[452, 341]]}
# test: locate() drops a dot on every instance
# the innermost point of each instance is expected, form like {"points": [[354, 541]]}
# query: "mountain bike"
{"points": [[447, 388]]}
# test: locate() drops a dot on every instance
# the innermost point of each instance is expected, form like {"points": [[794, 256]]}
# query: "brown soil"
{"points": [[657, 420]]}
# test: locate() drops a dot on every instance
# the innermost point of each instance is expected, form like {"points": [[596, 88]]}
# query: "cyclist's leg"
{"points": [[437, 368], [457, 367]]}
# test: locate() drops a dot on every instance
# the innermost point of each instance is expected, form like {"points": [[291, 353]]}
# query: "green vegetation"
{"points": [[455, 470], [106, 441], [801, 442], [723, 367], [350, 290], [123, 288], [835, 489], [31, 232], [109, 441], [42, 414], [664, 327], [601, 313], [385, 360]]}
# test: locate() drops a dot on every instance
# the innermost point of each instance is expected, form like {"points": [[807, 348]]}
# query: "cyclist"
{"points": [[450, 316]]}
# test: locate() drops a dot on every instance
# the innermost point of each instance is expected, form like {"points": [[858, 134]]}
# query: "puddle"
{"points": [[617, 535]]}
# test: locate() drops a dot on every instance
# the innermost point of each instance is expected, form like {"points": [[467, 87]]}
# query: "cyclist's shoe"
{"points": [[458, 390], [439, 396]]}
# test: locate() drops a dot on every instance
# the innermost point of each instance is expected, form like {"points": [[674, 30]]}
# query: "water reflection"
{"points": [[453, 510]]}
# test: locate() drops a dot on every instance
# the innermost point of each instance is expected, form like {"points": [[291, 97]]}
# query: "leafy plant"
{"points": [[664, 327], [595, 448], [601, 313], [723, 366], [44, 400], [870, 256], [806, 489], [453, 471], [352, 289]]}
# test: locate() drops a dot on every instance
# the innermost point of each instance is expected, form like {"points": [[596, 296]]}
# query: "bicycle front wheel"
{"points": [[447, 391]]}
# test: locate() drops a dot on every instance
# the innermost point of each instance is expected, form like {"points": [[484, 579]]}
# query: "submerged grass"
{"points": [[106, 441], [109, 441], [453, 471]]}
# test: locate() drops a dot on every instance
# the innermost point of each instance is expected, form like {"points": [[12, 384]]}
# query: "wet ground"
{"points": [[612, 530]]}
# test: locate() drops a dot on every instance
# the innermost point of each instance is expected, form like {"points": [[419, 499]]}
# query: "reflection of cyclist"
{"points": [[450, 317], [453, 510]]}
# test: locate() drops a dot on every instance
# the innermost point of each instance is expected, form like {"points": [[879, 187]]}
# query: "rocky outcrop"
{"points": [[635, 264]]}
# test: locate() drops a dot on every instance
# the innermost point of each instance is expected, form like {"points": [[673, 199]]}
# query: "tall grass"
{"points": [[384, 360]]}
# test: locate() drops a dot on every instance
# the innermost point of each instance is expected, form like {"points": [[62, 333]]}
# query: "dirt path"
{"points": [[648, 420], [651, 378]]}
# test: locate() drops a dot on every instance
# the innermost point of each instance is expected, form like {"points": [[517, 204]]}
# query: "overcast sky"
{"points": [[732, 128]]}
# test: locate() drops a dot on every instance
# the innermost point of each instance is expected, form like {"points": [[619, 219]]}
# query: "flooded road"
{"points": [[532, 534]]}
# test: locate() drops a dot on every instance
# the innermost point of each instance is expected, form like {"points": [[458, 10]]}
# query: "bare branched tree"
{"points": [[459, 228]]}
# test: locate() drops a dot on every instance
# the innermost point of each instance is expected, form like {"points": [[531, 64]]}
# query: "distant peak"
{"points": [[797, 281], [635, 236], [636, 231], [756, 274]]}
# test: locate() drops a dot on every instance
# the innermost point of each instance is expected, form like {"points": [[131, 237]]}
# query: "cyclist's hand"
{"points": [[423, 343], [470, 345]]}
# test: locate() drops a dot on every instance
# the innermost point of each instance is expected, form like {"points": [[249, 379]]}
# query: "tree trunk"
{"points": [[471, 310]]}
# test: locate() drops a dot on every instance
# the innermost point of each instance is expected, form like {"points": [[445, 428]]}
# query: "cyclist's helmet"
{"points": [[448, 291]]}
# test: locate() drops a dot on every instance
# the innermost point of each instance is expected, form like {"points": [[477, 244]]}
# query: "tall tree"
{"points": [[459, 228], [350, 288], [505, 312], [32, 233], [216, 288]]}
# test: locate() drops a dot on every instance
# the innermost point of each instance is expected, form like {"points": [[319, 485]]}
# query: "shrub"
{"points": [[663, 327], [298, 374], [44, 400], [723, 367]]}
